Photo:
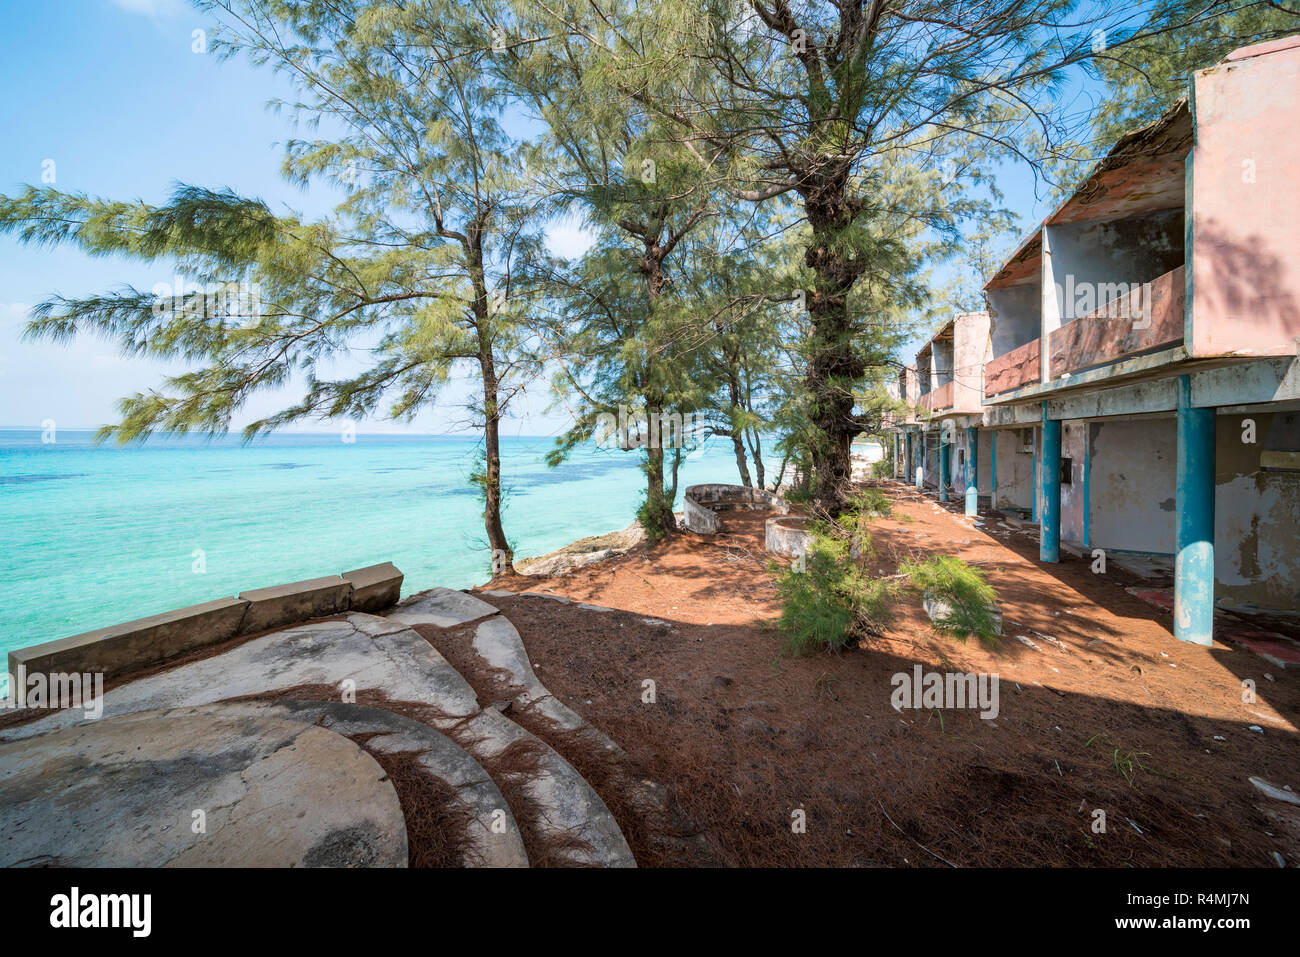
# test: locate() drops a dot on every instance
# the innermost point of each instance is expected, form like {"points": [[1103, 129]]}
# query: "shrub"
{"points": [[971, 601], [871, 502], [828, 601]]}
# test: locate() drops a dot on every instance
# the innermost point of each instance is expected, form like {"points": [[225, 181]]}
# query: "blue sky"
{"points": [[113, 94]]}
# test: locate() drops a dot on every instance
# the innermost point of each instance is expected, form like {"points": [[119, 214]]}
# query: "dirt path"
{"points": [[748, 738]]}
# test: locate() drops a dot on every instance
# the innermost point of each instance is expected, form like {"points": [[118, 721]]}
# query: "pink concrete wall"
{"points": [[970, 342], [1245, 204]]}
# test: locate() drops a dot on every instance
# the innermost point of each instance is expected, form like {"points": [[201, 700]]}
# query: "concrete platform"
{"points": [[443, 607], [131, 791]]}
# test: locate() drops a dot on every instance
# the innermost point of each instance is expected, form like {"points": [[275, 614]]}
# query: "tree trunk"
{"points": [[503, 557], [736, 440], [835, 367], [657, 514], [756, 449]]}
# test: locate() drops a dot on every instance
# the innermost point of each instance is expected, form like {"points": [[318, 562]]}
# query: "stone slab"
{"points": [[374, 587], [443, 607], [297, 601], [124, 792]]}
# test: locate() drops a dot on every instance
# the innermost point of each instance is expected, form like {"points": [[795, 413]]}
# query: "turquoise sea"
{"points": [[92, 535]]}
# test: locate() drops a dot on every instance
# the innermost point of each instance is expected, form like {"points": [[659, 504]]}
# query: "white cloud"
{"points": [[569, 238], [13, 314]]}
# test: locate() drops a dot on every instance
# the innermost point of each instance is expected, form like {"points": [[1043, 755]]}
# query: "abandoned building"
{"points": [[1134, 386]]}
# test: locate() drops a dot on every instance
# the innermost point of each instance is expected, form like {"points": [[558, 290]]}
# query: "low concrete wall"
{"points": [[135, 644], [701, 504], [374, 587], [155, 640], [787, 535]]}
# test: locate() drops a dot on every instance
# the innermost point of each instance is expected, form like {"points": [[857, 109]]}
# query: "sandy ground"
{"points": [[1105, 712]]}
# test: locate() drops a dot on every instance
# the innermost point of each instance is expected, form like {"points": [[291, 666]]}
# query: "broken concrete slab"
{"points": [[1273, 791], [131, 792], [118, 649], [443, 607], [374, 587], [294, 602]]}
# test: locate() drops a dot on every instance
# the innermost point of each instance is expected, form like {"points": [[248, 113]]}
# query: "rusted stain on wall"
{"points": [[1097, 339], [1017, 368], [1257, 554]]}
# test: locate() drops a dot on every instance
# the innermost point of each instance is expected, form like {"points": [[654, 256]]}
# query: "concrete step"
{"points": [[491, 837], [508, 673], [568, 812]]}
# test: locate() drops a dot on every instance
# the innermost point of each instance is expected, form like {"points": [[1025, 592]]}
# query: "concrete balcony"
{"points": [[1019, 367], [938, 400], [1147, 318]]}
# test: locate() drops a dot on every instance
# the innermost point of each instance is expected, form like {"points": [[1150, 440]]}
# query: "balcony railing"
{"points": [[1147, 318], [1017, 368], [938, 399]]}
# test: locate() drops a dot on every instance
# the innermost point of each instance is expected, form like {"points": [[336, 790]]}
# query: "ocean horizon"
{"points": [[92, 535]]}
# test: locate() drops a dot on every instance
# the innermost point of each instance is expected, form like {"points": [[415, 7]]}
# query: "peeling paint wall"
{"points": [[932, 460], [984, 461], [1256, 514], [1132, 484], [970, 342], [1073, 438], [1015, 471]]}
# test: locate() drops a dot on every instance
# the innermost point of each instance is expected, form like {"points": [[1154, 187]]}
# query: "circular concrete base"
{"points": [[194, 787]]}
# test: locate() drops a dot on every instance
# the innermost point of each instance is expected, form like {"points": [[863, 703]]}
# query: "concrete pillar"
{"points": [[920, 464], [945, 468], [1049, 510], [972, 472], [1194, 562]]}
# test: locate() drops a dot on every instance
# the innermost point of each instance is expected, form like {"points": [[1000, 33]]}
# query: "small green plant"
{"points": [[798, 494], [967, 600], [882, 469], [829, 601], [870, 503], [1127, 763]]}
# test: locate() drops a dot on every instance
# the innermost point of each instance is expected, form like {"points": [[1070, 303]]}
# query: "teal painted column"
{"points": [[1049, 510], [920, 464], [945, 468], [972, 472], [1194, 562]]}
